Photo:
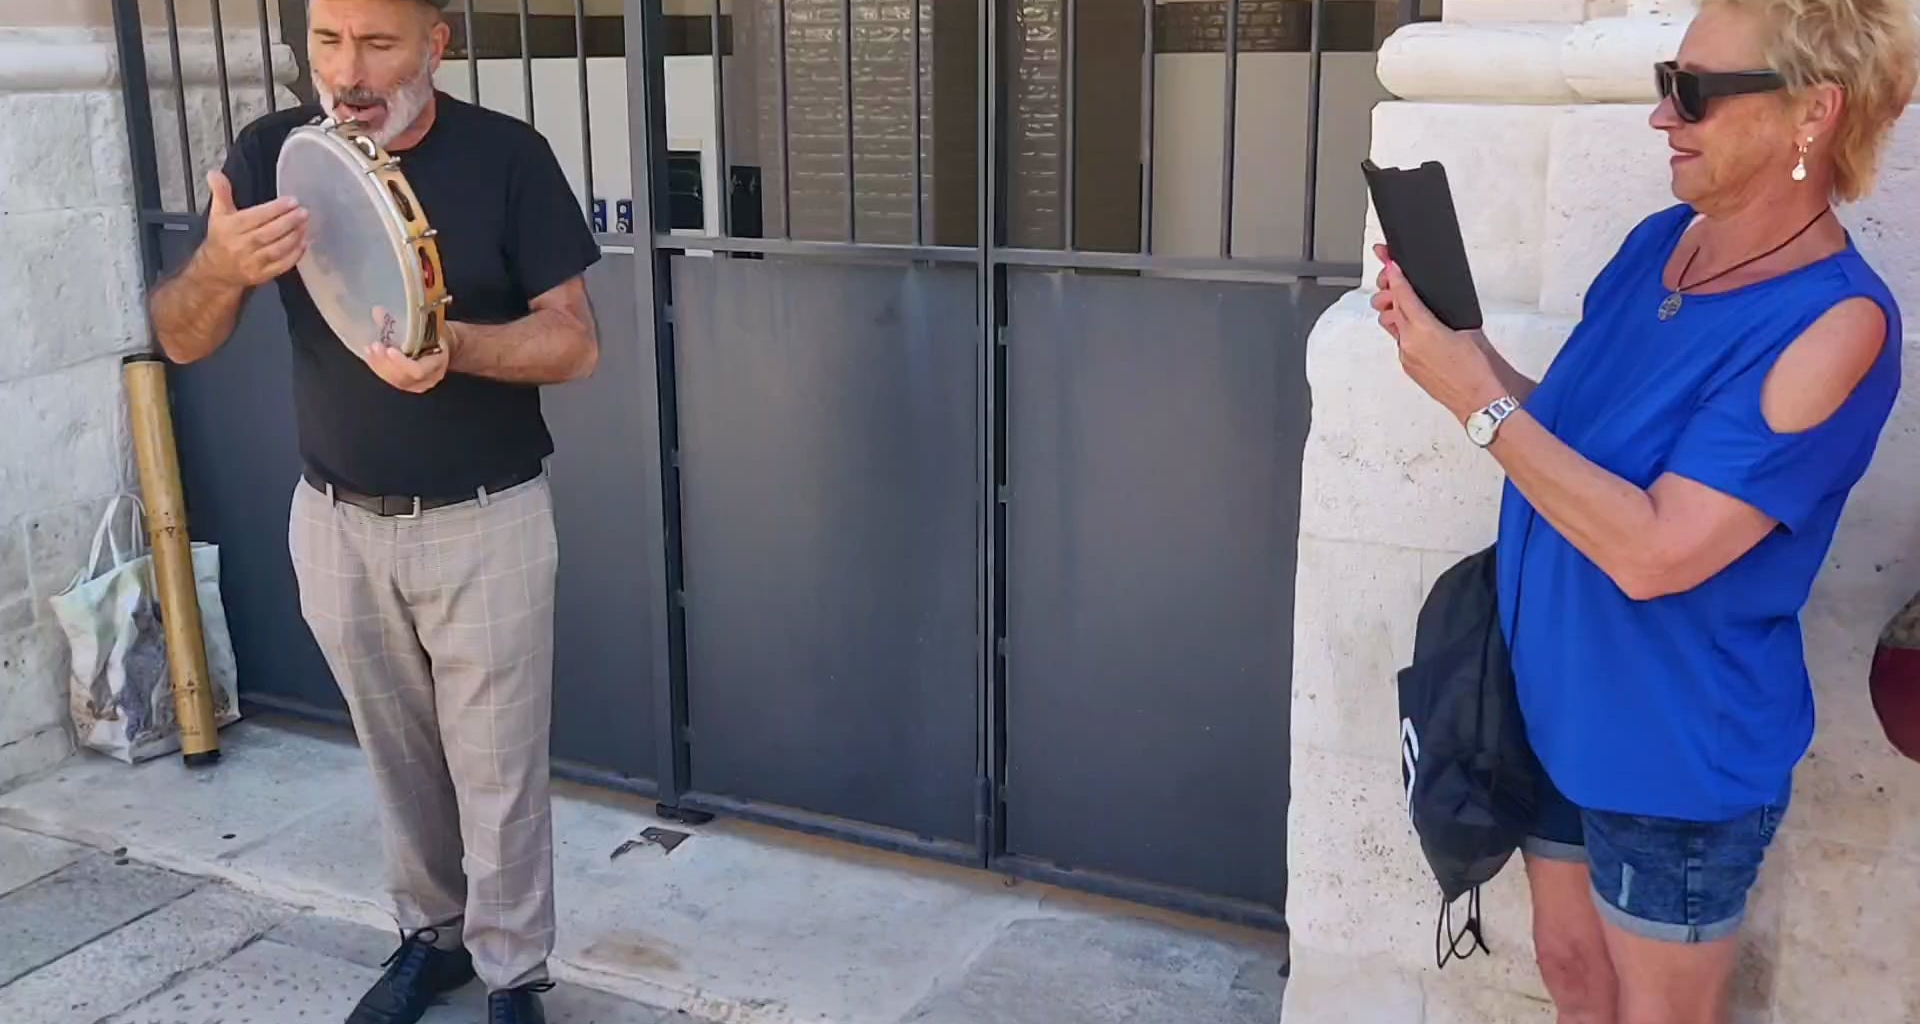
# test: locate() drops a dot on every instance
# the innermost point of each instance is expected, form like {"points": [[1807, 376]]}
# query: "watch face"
{"points": [[1480, 429]]}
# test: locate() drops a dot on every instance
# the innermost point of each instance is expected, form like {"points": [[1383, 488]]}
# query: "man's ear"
{"points": [[442, 37]]}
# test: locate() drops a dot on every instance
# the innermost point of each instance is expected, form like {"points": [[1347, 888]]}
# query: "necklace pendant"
{"points": [[1671, 306]]}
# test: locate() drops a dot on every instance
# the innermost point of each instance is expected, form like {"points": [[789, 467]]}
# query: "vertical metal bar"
{"points": [[220, 67], [986, 825], [138, 107], [266, 57], [786, 133], [586, 107], [1228, 128], [473, 55], [293, 26], [646, 148], [1069, 95], [180, 98], [919, 180], [1148, 61], [723, 171], [846, 94], [526, 62], [1315, 62]]}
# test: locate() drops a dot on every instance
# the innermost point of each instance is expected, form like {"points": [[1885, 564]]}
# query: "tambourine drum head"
{"points": [[354, 247]]}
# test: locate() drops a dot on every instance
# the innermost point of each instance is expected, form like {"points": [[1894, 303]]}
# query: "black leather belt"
{"points": [[405, 506]]}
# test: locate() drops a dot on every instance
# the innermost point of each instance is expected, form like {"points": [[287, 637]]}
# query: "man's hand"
{"points": [[248, 248], [417, 376]]}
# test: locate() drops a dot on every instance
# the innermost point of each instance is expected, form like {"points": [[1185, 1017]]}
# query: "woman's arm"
{"points": [[1653, 541], [1517, 384]]}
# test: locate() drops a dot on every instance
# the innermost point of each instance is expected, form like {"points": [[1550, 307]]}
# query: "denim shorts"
{"points": [[1660, 878]]}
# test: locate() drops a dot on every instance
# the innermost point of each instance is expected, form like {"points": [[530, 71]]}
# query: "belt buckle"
{"points": [[414, 513]]}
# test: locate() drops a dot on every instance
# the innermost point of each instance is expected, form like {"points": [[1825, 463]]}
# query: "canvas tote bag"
{"points": [[119, 691]]}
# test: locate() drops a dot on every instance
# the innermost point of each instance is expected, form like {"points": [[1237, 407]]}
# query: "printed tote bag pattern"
{"points": [[119, 690]]}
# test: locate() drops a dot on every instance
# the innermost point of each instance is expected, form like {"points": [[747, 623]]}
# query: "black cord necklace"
{"points": [[1671, 307]]}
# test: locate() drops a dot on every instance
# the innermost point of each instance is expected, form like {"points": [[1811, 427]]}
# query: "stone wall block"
{"points": [[68, 288], [1356, 882], [33, 666], [1498, 62], [1358, 885], [59, 540], [1849, 940], [1514, 10], [34, 753], [1450, 1001], [1607, 172], [46, 156], [1347, 652], [1882, 222], [16, 588], [1327, 987], [1610, 60], [112, 161], [1496, 160], [68, 420], [1383, 462]]}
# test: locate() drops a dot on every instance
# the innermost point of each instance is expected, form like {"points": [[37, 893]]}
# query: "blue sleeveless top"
{"points": [[1698, 705]]}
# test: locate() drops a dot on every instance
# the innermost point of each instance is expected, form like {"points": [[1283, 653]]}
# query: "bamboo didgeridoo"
{"points": [[151, 423]]}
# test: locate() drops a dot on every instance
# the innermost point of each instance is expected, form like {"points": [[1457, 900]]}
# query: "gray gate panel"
{"points": [[233, 415], [239, 458], [604, 476], [1155, 430], [829, 423]]}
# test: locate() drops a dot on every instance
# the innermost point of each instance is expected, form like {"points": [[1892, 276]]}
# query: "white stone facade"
{"points": [[70, 306], [1543, 127]]}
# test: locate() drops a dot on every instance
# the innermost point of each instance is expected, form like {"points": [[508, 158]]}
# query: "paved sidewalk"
{"points": [[734, 924], [90, 938]]}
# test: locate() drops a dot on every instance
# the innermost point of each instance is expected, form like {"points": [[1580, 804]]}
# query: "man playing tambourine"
{"points": [[421, 530]]}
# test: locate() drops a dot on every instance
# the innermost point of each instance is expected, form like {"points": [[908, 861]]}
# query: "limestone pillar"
{"points": [[70, 305], [1542, 124]]}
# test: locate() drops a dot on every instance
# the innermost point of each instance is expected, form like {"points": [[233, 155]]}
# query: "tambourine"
{"points": [[372, 266]]}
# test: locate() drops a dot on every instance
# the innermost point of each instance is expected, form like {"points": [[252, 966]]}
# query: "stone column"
{"points": [[1542, 125], [70, 303]]}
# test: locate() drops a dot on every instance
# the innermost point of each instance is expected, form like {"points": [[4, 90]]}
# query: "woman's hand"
{"points": [[1451, 366]]}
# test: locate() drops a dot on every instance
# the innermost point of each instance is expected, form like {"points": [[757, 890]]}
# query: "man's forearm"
{"points": [[194, 312], [549, 346]]}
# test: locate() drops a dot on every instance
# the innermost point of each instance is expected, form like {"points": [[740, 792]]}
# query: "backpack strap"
{"points": [[1446, 941]]}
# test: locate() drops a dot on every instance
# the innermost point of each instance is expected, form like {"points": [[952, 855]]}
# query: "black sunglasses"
{"points": [[1690, 90]]}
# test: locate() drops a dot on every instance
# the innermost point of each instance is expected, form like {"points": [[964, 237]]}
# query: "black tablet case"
{"points": [[1415, 207]]}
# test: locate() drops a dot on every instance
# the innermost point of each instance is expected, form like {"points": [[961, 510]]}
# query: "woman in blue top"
{"points": [[1673, 486]]}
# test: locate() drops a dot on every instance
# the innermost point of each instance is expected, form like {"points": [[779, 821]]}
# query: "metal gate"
{"points": [[939, 485]]}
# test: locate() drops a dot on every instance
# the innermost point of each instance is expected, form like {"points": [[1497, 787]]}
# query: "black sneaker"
{"points": [[518, 1005], [417, 976]]}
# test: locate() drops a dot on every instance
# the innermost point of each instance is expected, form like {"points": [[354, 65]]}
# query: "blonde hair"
{"points": [[1865, 47]]}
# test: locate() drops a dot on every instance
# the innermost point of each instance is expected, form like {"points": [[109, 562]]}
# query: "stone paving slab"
{"points": [[1083, 971], [107, 976], [272, 981], [56, 915], [27, 857], [739, 923], [266, 781]]}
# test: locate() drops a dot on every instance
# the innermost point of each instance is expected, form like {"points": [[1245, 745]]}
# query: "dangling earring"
{"points": [[1800, 169]]}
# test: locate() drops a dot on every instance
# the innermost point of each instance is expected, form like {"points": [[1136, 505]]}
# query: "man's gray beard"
{"points": [[405, 104]]}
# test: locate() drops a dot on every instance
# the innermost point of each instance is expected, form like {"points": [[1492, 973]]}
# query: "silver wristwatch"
{"points": [[1482, 426]]}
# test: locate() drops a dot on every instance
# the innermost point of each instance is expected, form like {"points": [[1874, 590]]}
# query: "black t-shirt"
{"points": [[509, 229]]}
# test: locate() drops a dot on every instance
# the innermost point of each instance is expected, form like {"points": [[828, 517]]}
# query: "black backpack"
{"points": [[1471, 776]]}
